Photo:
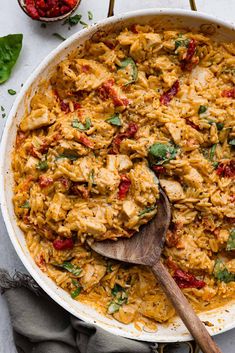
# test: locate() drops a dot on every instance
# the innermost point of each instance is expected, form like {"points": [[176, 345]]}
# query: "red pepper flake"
{"points": [[129, 133], [187, 280], [228, 93], [63, 244], [159, 169], [226, 170], [107, 90], [48, 8], [168, 95], [187, 63], [124, 187], [45, 181], [85, 141]]}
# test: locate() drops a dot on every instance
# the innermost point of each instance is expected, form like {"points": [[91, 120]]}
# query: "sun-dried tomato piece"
{"points": [[194, 126], [107, 90], [159, 169], [168, 95], [85, 141], [129, 133], [79, 190], [44, 181], [187, 63], [187, 280], [64, 107], [124, 187], [226, 170], [63, 244], [228, 93], [77, 106]]}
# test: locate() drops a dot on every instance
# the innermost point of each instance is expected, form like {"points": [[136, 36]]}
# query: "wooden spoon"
{"points": [[145, 248]]}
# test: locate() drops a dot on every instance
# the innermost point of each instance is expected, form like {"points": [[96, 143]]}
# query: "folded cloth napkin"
{"points": [[42, 326]]}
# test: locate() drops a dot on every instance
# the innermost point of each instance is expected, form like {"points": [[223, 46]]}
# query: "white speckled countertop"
{"points": [[38, 42]]}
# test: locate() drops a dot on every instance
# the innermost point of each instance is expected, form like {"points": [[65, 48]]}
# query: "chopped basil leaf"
{"points": [[146, 210], [120, 294], [231, 241], [43, 25], [84, 24], [202, 109], [75, 270], [75, 282], [76, 292], [115, 120], [10, 47], [181, 43], [78, 125], [42, 165], [134, 71], [232, 142], [215, 165], [219, 126], [113, 308], [59, 36], [109, 268], [117, 288], [73, 20], [3, 115], [90, 15], [221, 273], [212, 152], [228, 70], [72, 157], [11, 92], [26, 205], [160, 153], [2, 108]]}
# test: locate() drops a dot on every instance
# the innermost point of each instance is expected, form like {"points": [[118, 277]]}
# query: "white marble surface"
{"points": [[38, 42]]}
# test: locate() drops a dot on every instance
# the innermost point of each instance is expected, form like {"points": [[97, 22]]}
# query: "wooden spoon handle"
{"points": [[184, 309]]}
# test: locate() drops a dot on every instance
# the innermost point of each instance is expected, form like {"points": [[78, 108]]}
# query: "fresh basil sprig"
{"points": [[115, 120], [160, 153], [75, 270], [80, 126]]}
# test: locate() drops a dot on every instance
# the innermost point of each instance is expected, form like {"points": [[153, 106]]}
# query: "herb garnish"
{"points": [[73, 20], [77, 291], [134, 71], [221, 273], [75, 270], [11, 92], [182, 43], [59, 36], [90, 15], [220, 126], [26, 204], [78, 125], [120, 297], [42, 165], [202, 109], [212, 152], [160, 153], [146, 210], [10, 47], [231, 241], [72, 157], [115, 120], [232, 142]]}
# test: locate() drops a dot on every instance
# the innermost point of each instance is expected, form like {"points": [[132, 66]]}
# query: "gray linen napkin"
{"points": [[42, 326]]}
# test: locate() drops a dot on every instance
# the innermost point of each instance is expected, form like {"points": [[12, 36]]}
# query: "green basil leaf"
{"points": [[90, 15], [11, 92], [219, 126], [228, 70], [76, 292], [221, 273], [146, 210], [182, 43], [117, 288], [160, 153], [59, 36], [134, 71], [212, 152], [75, 270], [120, 294], [215, 165], [42, 165], [232, 142], [115, 120], [10, 47], [202, 109], [73, 20], [26, 205], [72, 157], [109, 267], [113, 308], [231, 241], [78, 125]]}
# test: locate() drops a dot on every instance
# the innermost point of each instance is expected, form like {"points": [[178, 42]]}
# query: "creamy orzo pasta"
{"points": [[123, 113]]}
